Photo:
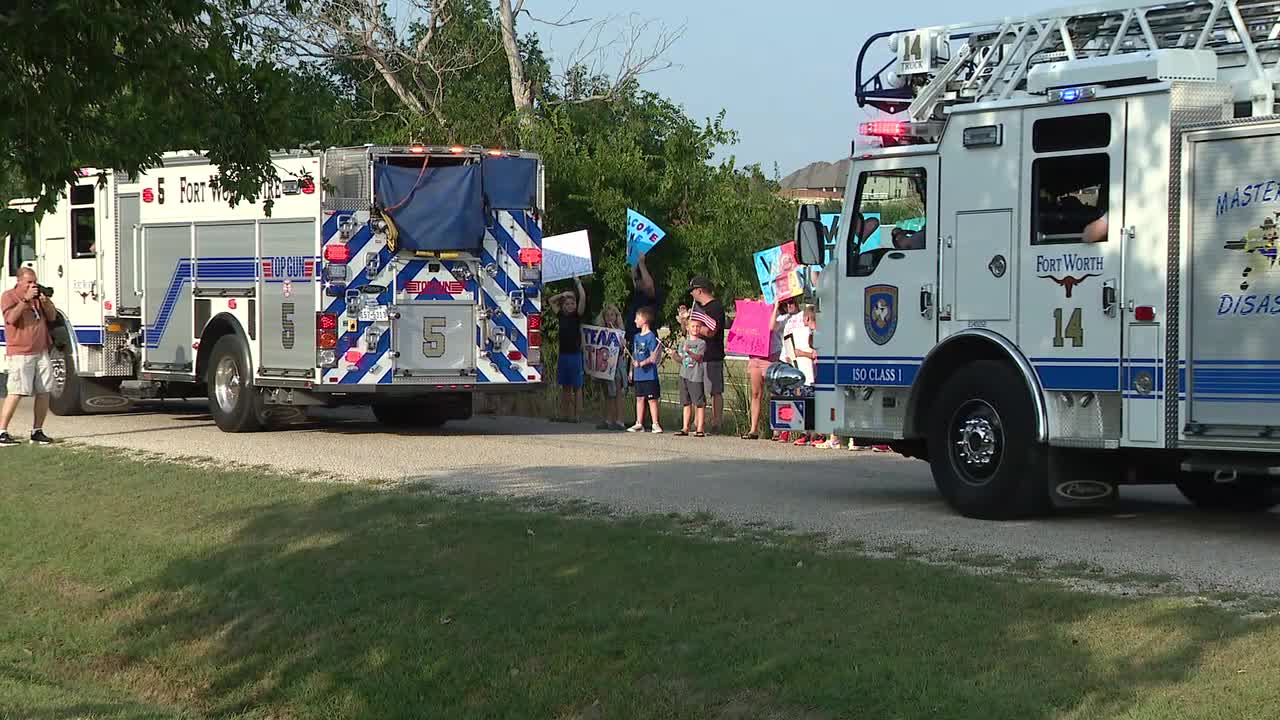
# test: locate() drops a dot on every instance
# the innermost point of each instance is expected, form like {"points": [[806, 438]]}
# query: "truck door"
{"points": [[978, 224], [887, 323], [1072, 230], [88, 230]]}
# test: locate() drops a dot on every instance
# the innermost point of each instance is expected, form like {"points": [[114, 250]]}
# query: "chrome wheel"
{"points": [[977, 442], [226, 384]]}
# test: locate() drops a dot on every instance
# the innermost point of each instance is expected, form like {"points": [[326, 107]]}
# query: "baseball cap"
{"points": [[699, 281]]}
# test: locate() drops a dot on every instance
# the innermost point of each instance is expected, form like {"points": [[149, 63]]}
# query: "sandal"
{"points": [[750, 436], [699, 434], [680, 433]]}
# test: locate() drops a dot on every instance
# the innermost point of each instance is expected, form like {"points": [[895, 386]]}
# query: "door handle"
{"points": [[1109, 298], [926, 301], [137, 263]]}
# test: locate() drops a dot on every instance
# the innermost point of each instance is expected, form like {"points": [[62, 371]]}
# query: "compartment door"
{"points": [[166, 301], [434, 339]]}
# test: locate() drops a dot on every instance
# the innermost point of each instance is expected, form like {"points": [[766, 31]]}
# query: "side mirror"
{"points": [[809, 246]]}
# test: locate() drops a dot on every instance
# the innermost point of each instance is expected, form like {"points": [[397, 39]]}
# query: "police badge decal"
{"points": [[880, 312]]}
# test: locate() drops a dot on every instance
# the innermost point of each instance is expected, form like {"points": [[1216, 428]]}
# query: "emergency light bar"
{"points": [[901, 130]]}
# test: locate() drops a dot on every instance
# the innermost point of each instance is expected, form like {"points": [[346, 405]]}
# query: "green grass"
{"points": [[150, 590]]}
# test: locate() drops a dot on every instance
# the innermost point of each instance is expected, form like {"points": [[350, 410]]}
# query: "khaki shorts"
{"points": [[29, 374]]}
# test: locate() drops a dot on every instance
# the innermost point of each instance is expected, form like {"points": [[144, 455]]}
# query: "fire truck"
{"points": [[402, 277], [1056, 272]]}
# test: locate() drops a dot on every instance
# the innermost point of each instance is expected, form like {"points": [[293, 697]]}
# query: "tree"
{"points": [[115, 85]]}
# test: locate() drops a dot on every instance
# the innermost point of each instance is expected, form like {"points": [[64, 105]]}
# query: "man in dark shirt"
{"points": [[569, 308], [708, 310], [644, 293]]}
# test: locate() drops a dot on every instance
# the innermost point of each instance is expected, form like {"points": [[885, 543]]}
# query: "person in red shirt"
{"points": [[27, 312]]}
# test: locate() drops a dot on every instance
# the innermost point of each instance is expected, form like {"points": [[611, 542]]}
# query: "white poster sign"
{"points": [[566, 256]]}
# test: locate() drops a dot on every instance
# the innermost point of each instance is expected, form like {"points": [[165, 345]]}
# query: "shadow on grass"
{"points": [[390, 605]]}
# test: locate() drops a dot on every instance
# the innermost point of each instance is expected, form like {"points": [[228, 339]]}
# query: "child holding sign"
{"points": [[611, 317], [569, 308], [646, 351]]}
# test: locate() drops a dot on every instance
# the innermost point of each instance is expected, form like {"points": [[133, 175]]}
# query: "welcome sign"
{"points": [[642, 235]]}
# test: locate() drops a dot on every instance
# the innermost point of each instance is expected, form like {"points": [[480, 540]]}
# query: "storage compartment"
{"points": [[1233, 378]]}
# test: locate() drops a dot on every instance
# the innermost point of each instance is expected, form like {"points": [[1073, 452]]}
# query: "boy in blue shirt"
{"points": [[646, 352]]}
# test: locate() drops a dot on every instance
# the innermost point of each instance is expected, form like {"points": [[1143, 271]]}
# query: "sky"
{"points": [[783, 72]]}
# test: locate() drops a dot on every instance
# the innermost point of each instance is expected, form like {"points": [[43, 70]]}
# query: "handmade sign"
{"points": [[642, 235], [566, 256], [600, 349], [752, 329], [778, 273]]}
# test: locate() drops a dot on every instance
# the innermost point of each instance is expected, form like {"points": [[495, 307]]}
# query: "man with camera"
{"points": [[27, 313]]}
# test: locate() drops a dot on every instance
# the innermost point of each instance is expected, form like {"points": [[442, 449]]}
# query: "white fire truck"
{"points": [[407, 278], [1072, 284]]}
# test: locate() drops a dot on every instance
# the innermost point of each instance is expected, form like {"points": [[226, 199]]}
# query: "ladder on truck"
{"points": [[937, 67]]}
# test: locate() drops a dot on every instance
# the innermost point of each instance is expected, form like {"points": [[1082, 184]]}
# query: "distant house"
{"points": [[817, 182], [821, 182]]}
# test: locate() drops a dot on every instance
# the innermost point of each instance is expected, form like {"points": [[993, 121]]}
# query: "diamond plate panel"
{"points": [[1192, 105], [1099, 420], [872, 418], [347, 180]]}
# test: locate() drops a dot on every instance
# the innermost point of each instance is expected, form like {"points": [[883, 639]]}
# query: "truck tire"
{"points": [[234, 402], [64, 396], [1200, 490], [983, 451]]}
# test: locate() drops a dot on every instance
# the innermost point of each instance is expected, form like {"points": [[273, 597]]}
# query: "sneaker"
{"points": [[6, 440], [604, 426], [39, 438], [830, 444], [657, 429], [618, 426], [802, 440], [636, 428]]}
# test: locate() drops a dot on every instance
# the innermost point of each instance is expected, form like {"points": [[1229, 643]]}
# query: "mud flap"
{"points": [[1082, 479]]}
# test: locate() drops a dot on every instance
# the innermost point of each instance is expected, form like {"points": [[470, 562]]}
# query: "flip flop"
{"points": [[680, 433], [699, 434]]}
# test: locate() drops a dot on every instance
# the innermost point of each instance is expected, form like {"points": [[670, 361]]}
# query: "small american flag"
{"points": [[705, 319]]}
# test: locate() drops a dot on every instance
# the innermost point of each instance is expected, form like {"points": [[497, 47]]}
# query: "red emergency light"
{"points": [[326, 321], [419, 149], [885, 128], [337, 253]]}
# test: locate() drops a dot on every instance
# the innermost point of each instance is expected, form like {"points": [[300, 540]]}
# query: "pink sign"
{"points": [[751, 331]]}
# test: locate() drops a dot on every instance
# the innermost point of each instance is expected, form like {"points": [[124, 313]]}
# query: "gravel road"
{"points": [[881, 499]]}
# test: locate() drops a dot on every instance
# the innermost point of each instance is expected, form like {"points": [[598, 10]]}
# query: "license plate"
{"points": [[377, 313]]}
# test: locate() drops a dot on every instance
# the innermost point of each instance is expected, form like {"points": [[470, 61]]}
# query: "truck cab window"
{"points": [[1069, 199], [84, 241], [891, 207]]}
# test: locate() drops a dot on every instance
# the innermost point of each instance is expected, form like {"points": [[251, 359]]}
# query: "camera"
{"points": [[45, 290]]}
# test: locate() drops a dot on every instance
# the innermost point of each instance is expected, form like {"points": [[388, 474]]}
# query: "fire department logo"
{"points": [[880, 313], [434, 287]]}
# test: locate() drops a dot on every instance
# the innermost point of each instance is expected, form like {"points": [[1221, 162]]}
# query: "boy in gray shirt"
{"points": [[693, 400]]}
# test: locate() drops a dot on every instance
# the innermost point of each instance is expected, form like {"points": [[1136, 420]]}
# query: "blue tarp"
{"points": [[440, 208], [510, 183]]}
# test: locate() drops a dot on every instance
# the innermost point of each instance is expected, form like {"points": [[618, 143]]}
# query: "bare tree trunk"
{"points": [[520, 93]]}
